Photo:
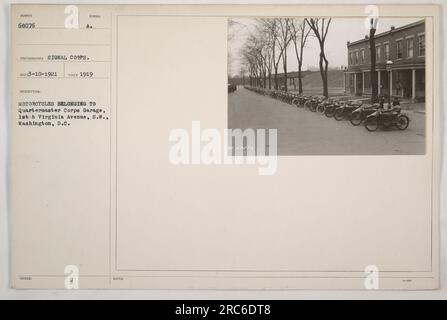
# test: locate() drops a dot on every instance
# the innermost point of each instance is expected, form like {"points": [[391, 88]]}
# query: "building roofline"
{"points": [[413, 24]]}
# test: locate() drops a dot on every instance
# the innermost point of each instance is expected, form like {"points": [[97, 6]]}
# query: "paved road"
{"points": [[301, 132]]}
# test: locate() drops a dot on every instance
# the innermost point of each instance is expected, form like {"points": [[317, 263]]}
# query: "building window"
{"points": [[362, 56], [378, 53], [399, 49], [386, 51], [422, 45], [356, 57], [350, 58], [409, 48]]}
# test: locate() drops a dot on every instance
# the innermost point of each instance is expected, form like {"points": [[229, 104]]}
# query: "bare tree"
{"points": [[320, 27], [271, 29], [300, 32], [253, 54], [259, 52], [265, 48], [283, 42], [250, 62], [267, 53], [264, 51], [269, 62]]}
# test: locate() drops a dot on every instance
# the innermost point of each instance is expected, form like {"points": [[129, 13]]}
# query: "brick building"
{"points": [[400, 63]]}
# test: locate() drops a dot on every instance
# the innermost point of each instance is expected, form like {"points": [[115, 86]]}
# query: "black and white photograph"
{"points": [[223, 151], [330, 86]]}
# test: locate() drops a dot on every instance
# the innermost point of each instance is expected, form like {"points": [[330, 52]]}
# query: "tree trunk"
{"points": [[270, 80], [265, 79], [325, 80], [374, 80], [323, 73], [276, 77], [300, 81], [285, 70]]}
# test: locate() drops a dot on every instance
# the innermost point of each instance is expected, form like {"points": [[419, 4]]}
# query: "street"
{"points": [[301, 132]]}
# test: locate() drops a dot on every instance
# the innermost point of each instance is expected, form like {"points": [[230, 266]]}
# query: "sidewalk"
{"points": [[417, 107]]}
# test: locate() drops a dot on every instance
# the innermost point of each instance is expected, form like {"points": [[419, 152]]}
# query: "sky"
{"points": [[340, 31]]}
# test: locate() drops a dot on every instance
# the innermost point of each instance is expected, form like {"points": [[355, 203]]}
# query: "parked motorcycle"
{"points": [[315, 101], [322, 105], [308, 104], [299, 101], [292, 97], [359, 115], [329, 110], [387, 119], [345, 110]]}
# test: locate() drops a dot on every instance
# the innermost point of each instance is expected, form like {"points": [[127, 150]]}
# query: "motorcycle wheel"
{"points": [[320, 108], [313, 107], [329, 112], [307, 104], [338, 115], [295, 103], [355, 119], [371, 124], [402, 122]]}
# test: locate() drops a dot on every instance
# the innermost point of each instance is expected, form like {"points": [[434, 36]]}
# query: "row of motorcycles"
{"points": [[372, 116]]}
